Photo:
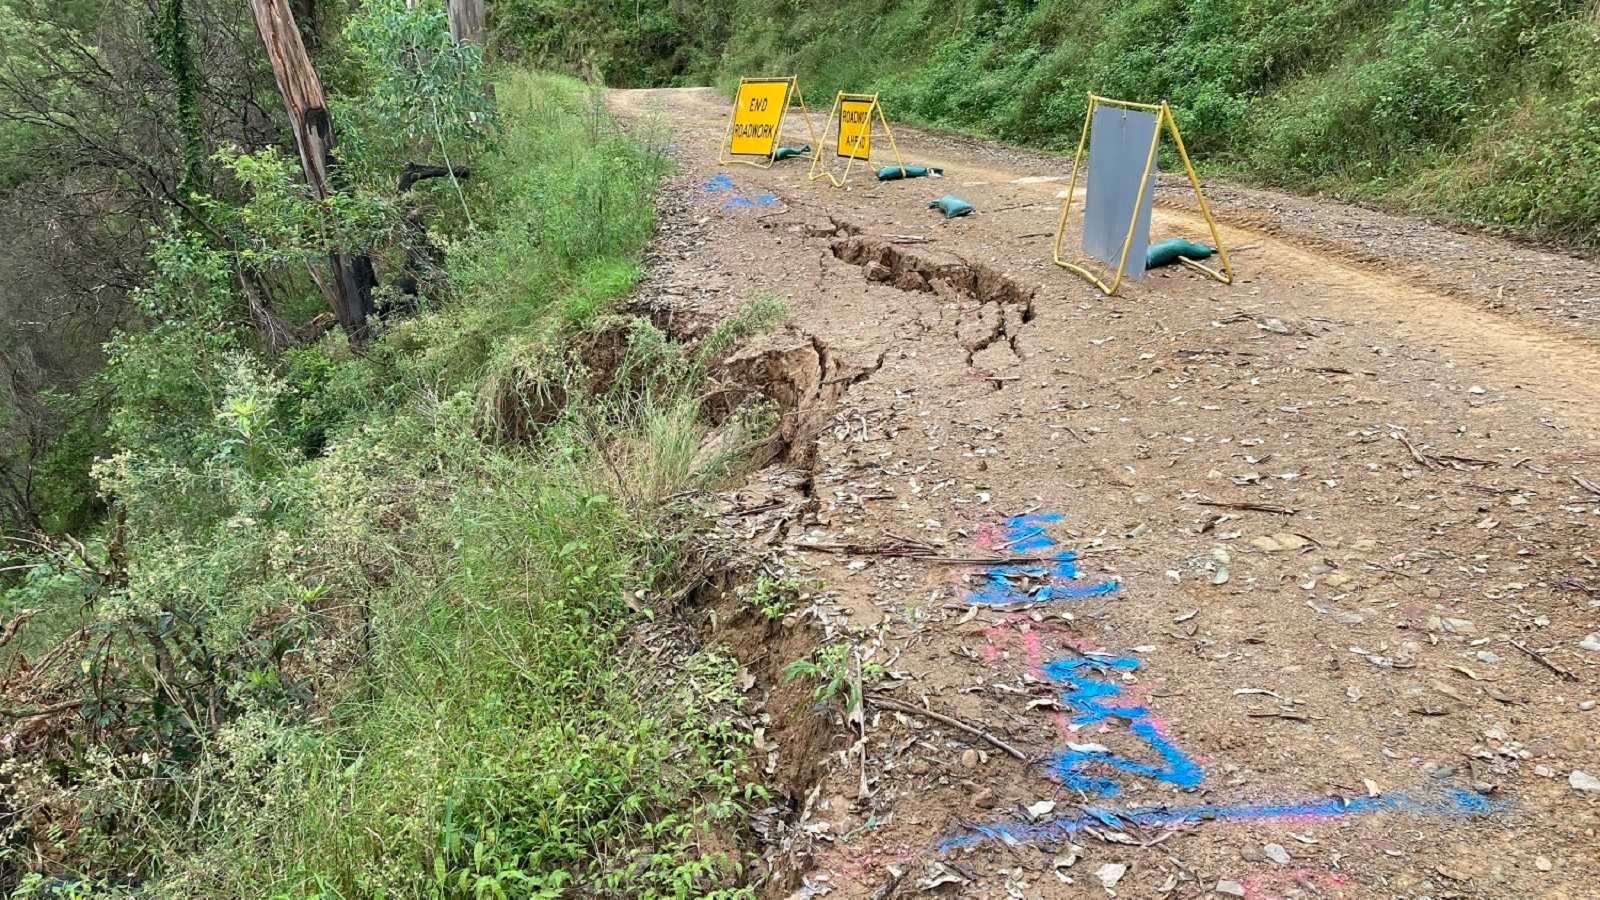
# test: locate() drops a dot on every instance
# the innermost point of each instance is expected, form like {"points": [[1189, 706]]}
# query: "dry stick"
{"points": [[43, 662], [41, 711], [862, 792], [887, 703], [1586, 484], [9, 630], [1253, 507], [1541, 660], [894, 550], [1422, 460]]}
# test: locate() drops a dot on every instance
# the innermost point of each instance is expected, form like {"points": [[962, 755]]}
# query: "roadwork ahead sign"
{"points": [[756, 124], [853, 140], [855, 127]]}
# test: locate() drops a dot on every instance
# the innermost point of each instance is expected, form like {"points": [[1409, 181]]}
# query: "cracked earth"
{"points": [[1280, 589]]}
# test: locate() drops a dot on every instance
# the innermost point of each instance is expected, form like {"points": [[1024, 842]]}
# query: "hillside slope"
{"points": [[1478, 109]]}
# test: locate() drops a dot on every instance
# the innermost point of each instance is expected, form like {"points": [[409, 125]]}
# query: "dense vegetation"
{"points": [[1482, 109], [289, 609], [291, 614]]}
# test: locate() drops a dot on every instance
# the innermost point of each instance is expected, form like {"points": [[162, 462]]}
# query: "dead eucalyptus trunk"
{"points": [[349, 292], [469, 23]]}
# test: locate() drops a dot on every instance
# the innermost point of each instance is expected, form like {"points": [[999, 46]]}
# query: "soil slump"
{"points": [[804, 378]]}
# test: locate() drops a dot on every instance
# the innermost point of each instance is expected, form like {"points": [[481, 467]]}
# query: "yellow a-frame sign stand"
{"points": [[854, 138], [756, 123], [1163, 116]]}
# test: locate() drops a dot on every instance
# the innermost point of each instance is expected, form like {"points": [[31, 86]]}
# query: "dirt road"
{"points": [[1300, 570]]}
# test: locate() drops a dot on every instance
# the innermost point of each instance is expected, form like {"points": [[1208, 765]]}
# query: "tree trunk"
{"points": [[349, 292], [469, 23]]}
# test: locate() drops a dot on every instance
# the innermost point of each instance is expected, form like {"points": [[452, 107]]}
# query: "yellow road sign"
{"points": [[853, 140], [855, 128], [758, 116]]}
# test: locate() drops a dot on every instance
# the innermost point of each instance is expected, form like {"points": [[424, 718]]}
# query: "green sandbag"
{"points": [[786, 152], [951, 206], [1167, 252], [895, 173]]}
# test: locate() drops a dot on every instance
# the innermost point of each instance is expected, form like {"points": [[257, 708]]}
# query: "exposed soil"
{"points": [[1334, 533]]}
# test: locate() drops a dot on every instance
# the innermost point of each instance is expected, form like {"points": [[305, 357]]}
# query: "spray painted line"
{"points": [[1096, 700], [719, 184], [1093, 692], [1454, 803], [1028, 534]]}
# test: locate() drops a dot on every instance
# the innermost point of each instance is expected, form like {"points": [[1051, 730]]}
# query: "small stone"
{"points": [[984, 798], [1543, 863], [1592, 642], [1110, 873], [1488, 656], [1290, 541], [1335, 579], [1438, 769], [1277, 854], [1583, 781], [1586, 705], [1544, 771], [1265, 544], [1230, 888], [969, 759]]}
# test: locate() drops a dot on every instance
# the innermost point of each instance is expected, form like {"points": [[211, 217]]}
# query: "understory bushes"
{"points": [[1480, 108], [1484, 109], [349, 639]]}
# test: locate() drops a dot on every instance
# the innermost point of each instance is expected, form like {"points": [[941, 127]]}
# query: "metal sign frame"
{"points": [[819, 169], [792, 97], [1163, 115]]}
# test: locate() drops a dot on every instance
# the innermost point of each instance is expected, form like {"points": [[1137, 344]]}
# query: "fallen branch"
{"points": [[41, 711], [1252, 507], [1586, 484], [11, 627], [1543, 661], [888, 703], [905, 552]]}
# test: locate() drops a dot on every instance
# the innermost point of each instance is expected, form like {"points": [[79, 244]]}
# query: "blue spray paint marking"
{"points": [[1453, 803], [1027, 535], [1075, 767], [722, 183]]}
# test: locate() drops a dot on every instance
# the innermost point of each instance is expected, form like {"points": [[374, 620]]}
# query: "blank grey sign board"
{"points": [[1119, 143]]}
